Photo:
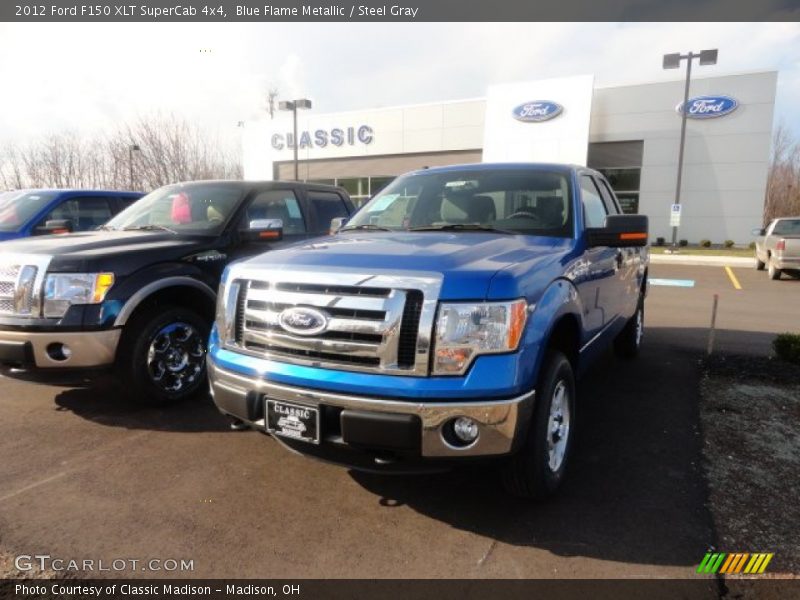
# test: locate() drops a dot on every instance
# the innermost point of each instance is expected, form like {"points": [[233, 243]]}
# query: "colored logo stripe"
{"points": [[714, 562]]}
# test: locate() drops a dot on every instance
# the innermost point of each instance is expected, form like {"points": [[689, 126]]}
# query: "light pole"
{"points": [[293, 105], [673, 61], [131, 149]]}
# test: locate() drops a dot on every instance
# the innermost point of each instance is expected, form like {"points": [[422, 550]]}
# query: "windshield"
{"points": [[17, 208], [201, 208], [787, 227], [515, 201]]}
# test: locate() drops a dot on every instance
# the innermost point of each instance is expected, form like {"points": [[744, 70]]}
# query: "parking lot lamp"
{"points": [[673, 61], [131, 149], [293, 105]]}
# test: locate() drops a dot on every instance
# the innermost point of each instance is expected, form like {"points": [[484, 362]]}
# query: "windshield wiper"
{"points": [[149, 228], [462, 227], [368, 226]]}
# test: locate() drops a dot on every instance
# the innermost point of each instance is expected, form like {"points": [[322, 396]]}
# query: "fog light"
{"points": [[58, 352], [466, 430]]}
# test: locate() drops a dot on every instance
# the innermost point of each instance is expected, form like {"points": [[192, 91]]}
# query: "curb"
{"points": [[702, 261]]}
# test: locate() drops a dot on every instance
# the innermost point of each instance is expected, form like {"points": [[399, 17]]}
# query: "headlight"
{"points": [[227, 301], [464, 331], [62, 290]]}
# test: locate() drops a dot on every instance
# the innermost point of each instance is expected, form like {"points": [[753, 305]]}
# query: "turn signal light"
{"points": [[103, 284], [633, 236]]}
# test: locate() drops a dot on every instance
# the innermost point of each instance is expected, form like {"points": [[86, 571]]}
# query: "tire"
{"points": [[537, 469], [760, 266], [629, 340], [773, 272], [162, 358]]}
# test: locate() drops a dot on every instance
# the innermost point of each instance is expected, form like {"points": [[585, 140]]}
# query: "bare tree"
{"points": [[170, 149], [783, 179], [271, 97]]}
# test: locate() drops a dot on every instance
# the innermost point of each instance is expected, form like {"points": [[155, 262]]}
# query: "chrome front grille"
{"points": [[21, 282], [372, 323], [8, 284]]}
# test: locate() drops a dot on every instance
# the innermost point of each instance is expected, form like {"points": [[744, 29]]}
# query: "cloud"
{"points": [[93, 76]]}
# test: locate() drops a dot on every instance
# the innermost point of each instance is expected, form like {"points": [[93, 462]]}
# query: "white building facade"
{"points": [[630, 133]]}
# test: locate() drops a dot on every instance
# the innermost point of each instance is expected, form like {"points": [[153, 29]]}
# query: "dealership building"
{"points": [[631, 133]]}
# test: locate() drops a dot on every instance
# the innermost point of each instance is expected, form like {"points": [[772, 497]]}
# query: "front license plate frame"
{"points": [[292, 420]]}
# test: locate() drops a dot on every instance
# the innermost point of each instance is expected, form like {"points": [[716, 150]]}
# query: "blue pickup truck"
{"points": [[24, 213], [446, 321]]}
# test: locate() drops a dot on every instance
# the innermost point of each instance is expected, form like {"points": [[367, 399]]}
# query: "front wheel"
{"points": [[538, 468], [163, 355]]}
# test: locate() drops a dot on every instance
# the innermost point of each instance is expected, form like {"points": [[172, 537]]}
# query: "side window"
{"points": [[327, 206], [85, 213], [125, 202], [608, 196], [594, 210], [276, 204]]}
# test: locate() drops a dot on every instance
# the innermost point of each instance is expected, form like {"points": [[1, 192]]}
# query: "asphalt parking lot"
{"points": [[84, 475]]}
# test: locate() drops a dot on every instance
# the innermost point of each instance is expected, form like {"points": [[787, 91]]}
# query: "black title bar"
{"points": [[400, 11]]}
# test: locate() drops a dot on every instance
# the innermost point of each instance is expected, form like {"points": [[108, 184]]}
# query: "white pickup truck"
{"points": [[778, 247]]}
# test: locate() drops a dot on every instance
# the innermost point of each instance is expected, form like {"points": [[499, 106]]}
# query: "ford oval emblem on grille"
{"points": [[708, 107], [536, 111], [302, 320]]}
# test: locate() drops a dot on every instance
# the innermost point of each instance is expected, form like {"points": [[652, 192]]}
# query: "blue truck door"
{"points": [[600, 287], [627, 260]]}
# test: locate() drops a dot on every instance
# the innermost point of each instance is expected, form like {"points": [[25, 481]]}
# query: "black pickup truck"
{"points": [[138, 295]]}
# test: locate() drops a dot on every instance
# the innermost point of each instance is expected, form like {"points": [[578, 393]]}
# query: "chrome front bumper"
{"points": [[88, 349], [502, 423]]}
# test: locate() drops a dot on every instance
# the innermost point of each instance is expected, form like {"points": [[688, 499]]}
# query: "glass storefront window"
{"points": [[623, 180], [625, 183], [628, 202], [376, 184]]}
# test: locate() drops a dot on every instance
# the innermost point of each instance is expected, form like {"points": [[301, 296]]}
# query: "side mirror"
{"points": [[55, 226], [620, 231], [337, 224], [265, 230], [759, 231]]}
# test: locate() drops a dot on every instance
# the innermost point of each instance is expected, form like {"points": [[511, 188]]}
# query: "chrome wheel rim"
{"points": [[176, 357], [639, 326], [558, 426]]}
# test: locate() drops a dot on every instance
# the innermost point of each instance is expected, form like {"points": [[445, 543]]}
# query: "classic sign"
{"points": [[320, 138], [537, 111], [708, 107]]}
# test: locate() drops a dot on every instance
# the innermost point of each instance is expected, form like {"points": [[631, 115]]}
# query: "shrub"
{"points": [[728, 243], [705, 243], [683, 243], [787, 347], [752, 245], [660, 241]]}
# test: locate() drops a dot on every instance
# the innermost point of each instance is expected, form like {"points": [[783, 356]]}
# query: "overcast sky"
{"points": [[87, 76]]}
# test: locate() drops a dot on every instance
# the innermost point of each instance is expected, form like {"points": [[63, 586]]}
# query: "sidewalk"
{"points": [[702, 261]]}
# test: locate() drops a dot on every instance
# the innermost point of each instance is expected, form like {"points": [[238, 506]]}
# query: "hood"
{"points": [[10, 235], [467, 260], [97, 250]]}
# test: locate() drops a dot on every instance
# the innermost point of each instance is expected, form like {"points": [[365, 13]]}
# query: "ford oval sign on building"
{"points": [[709, 107], [537, 111]]}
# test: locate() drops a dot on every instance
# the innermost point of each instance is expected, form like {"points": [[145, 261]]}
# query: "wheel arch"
{"points": [[179, 290]]}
